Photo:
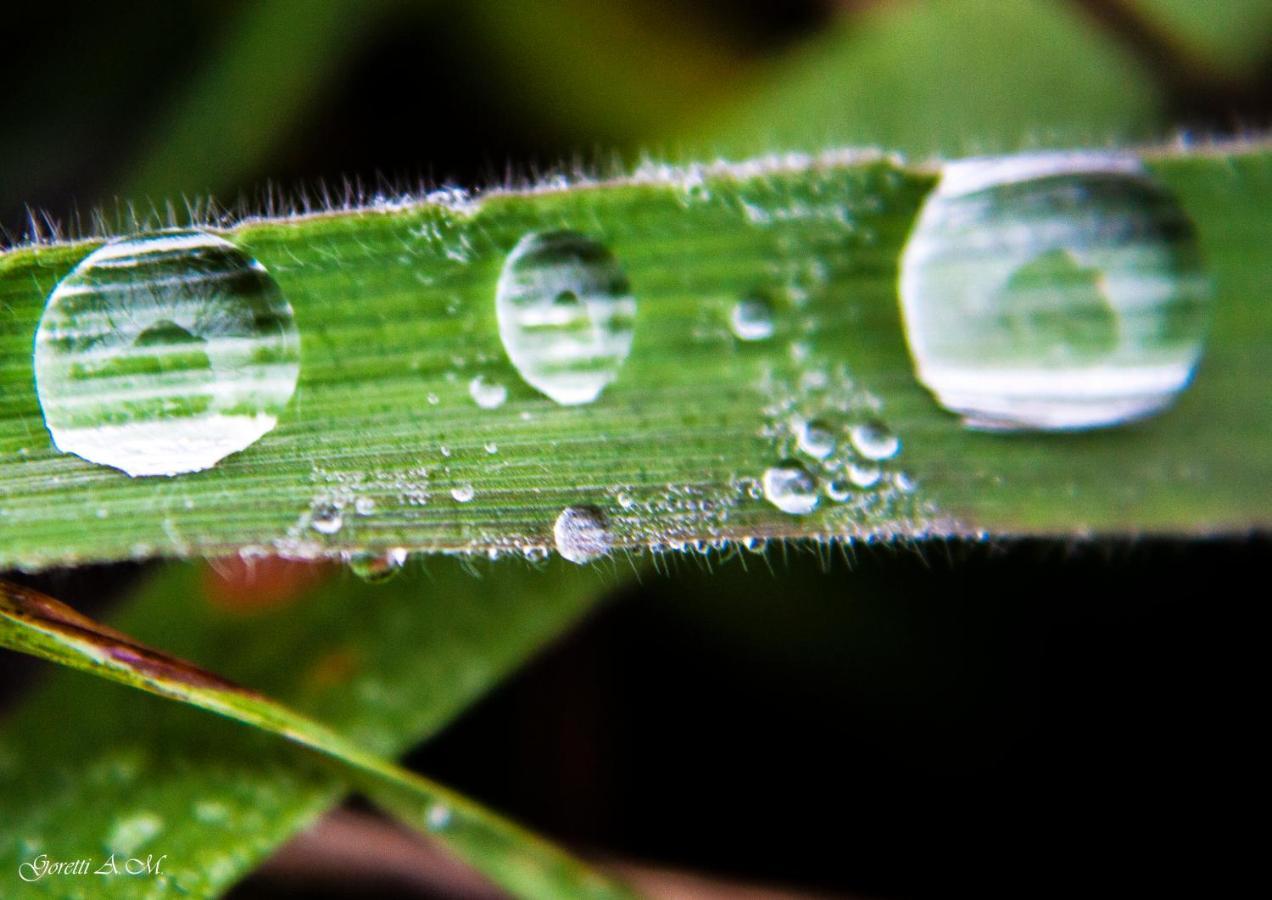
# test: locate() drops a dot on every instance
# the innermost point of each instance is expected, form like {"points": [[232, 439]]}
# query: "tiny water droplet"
{"points": [[438, 816], [582, 534], [164, 353], [487, 394], [326, 518], [626, 500], [364, 506], [790, 487], [816, 438], [1053, 291], [839, 490], [566, 314], [751, 318], [462, 493], [864, 475], [378, 567], [492, 448], [874, 440], [755, 544]]}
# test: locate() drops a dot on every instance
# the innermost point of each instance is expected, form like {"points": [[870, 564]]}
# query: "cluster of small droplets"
{"points": [[831, 443]]}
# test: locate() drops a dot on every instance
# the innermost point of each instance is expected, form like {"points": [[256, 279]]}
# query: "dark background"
{"points": [[1027, 718]]}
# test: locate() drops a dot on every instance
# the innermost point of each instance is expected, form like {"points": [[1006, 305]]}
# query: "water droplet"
{"points": [[582, 534], [462, 493], [752, 318], [364, 506], [492, 448], [755, 544], [164, 353], [816, 438], [839, 490], [131, 833], [1053, 291], [566, 315], [864, 475], [326, 518], [874, 440], [626, 500], [790, 487], [487, 394], [378, 567], [438, 816]]}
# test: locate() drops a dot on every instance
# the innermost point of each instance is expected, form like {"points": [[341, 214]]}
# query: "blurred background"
{"points": [[1010, 718]]}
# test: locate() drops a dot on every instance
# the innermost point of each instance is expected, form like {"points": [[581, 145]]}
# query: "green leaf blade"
{"points": [[218, 797]]}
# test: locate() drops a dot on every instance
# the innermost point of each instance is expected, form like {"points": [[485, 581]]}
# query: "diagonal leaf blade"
{"points": [[672, 451], [215, 770]]}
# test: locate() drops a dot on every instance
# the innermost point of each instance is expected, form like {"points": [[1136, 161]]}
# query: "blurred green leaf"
{"points": [[1229, 35], [274, 61], [603, 75], [951, 77], [86, 769]]}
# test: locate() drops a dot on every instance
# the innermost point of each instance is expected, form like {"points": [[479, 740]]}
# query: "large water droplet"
{"points": [[566, 314], [582, 534], [790, 487], [1053, 291], [751, 318], [164, 353]]}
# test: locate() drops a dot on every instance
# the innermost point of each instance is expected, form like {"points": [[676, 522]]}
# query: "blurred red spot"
{"points": [[260, 584], [335, 668]]}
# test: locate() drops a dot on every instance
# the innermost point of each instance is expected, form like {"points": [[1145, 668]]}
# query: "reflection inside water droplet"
{"points": [[163, 353], [1053, 291], [566, 314]]}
